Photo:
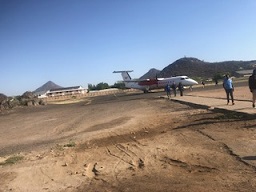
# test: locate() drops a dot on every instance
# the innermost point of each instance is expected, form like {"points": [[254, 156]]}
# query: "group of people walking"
{"points": [[173, 88], [227, 85], [229, 88]]}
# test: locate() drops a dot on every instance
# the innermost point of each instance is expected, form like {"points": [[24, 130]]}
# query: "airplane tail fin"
{"points": [[125, 75]]}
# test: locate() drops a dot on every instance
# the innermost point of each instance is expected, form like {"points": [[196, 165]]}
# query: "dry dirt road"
{"points": [[126, 142]]}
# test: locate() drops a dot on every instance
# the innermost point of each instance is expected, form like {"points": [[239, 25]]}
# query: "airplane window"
{"points": [[182, 78]]}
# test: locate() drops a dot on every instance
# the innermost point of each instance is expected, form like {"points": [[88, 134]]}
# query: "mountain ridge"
{"points": [[47, 86], [189, 66], [194, 67], [152, 73]]}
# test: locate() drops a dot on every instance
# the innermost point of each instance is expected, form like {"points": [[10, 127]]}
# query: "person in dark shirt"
{"points": [[252, 86], [203, 83], [181, 88], [174, 88]]}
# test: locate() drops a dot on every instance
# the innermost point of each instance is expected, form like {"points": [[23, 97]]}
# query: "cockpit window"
{"points": [[182, 78]]}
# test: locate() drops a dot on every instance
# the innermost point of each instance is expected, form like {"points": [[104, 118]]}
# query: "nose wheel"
{"points": [[146, 90]]}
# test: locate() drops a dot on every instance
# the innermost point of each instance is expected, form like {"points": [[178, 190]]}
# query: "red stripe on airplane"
{"points": [[148, 82]]}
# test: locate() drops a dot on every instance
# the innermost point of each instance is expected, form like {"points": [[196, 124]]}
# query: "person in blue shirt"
{"points": [[229, 88], [168, 90]]}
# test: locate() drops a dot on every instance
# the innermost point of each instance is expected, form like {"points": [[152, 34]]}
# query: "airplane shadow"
{"points": [[249, 158]]}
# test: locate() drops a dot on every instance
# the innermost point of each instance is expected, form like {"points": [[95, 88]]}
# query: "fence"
{"points": [[89, 94]]}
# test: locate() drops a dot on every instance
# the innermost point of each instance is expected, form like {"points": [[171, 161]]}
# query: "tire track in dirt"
{"points": [[227, 149], [149, 154], [196, 127], [188, 167]]}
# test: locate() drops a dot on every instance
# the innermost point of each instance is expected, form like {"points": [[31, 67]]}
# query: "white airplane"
{"points": [[157, 83]]}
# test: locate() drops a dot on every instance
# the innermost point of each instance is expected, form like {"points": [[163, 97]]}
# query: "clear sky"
{"points": [[83, 41]]}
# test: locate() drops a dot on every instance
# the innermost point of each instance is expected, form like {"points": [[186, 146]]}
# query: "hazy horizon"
{"points": [[64, 41]]}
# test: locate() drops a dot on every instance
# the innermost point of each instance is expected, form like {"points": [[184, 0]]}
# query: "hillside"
{"points": [[47, 86], [152, 73], [194, 67]]}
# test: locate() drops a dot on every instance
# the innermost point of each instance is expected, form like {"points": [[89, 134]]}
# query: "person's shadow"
{"points": [[250, 158]]}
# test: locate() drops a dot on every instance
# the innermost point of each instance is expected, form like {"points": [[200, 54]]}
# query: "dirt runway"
{"points": [[126, 142]]}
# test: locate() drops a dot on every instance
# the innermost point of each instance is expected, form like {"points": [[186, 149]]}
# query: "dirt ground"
{"points": [[128, 142]]}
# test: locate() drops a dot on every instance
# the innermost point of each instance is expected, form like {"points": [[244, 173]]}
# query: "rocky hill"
{"points": [[152, 73], [47, 86], [194, 67]]}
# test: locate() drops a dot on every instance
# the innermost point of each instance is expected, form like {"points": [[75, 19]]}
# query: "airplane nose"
{"points": [[193, 82]]}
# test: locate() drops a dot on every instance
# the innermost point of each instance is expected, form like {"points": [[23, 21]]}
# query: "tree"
{"points": [[217, 77], [119, 85], [99, 86], [102, 86], [91, 87]]}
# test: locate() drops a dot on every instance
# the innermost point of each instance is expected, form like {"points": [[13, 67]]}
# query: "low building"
{"points": [[245, 73], [66, 91]]}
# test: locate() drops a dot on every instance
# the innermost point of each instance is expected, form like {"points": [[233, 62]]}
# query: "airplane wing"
{"points": [[128, 79], [122, 71]]}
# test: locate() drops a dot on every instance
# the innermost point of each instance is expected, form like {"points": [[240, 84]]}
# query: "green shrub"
{"points": [[12, 160]]}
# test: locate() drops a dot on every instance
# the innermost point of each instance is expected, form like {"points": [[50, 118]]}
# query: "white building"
{"points": [[65, 91]]}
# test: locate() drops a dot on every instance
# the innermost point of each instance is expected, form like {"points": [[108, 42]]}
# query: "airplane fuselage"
{"points": [[157, 83], [151, 84]]}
